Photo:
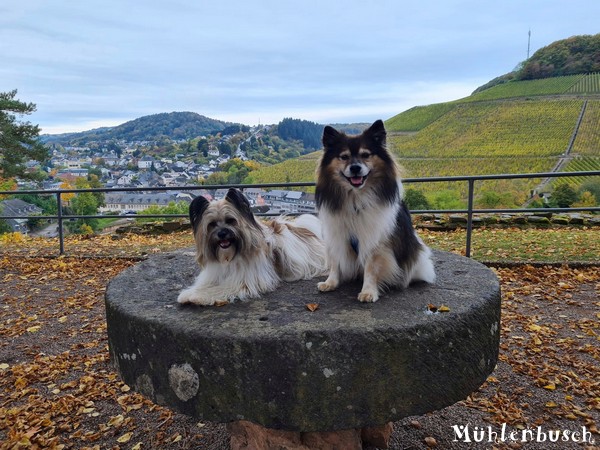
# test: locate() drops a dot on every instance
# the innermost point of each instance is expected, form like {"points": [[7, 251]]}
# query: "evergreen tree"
{"points": [[18, 140], [4, 227], [563, 196], [303, 130], [415, 199]]}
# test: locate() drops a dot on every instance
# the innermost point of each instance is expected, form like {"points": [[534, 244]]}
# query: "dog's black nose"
{"points": [[355, 169], [223, 233]]}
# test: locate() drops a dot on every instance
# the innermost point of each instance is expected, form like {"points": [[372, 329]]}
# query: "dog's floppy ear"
{"points": [[376, 133], [241, 203], [197, 209], [331, 137]]}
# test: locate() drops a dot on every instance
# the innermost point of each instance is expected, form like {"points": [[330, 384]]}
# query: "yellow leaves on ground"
{"points": [[106, 245], [59, 391], [437, 309], [116, 421], [125, 438], [549, 335]]}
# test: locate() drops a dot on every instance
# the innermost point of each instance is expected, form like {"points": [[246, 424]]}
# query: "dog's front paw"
{"points": [[326, 286], [191, 296], [368, 297]]}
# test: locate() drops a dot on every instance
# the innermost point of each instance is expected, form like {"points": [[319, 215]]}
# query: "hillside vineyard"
{"points": [[516, 127]]}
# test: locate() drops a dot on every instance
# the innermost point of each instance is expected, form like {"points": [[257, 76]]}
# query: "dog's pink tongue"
{"points": [[224, 243], [356, 181]]}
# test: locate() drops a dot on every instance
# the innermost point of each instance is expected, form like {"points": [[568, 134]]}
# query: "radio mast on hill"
{"points": [[528, 42]]}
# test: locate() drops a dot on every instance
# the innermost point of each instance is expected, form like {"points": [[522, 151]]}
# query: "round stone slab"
{"points": [[274, 362]]}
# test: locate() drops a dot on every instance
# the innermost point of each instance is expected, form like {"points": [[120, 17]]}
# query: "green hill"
{"points": [[576, 86], [174, 125], [573, 56], [517, 127]]}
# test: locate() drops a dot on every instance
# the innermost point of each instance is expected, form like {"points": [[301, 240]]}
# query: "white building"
{"points": [[145, 163], [124, 201]]}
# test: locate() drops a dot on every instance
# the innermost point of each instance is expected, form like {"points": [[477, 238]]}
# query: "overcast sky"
{"points": [[96, 63]]}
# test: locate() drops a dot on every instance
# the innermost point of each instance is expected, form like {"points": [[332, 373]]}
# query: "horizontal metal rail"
{"points": [[469, 211]]}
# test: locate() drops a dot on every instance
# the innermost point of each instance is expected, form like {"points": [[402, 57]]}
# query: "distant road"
{"points": [[48, 231], [51, 230]]}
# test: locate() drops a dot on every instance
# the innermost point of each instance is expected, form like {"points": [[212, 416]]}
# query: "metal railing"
{"points": [[469, 211]]}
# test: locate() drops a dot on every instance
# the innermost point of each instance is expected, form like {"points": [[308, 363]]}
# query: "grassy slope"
{"points": [[516, 127]]}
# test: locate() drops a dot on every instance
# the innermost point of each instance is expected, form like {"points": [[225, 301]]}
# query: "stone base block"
{"points": [[246, 435], [273, 362]]}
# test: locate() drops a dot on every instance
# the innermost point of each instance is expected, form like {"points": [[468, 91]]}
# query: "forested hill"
{"points": [[310, 133], [174, 125], [572, 56], [189, 125]]}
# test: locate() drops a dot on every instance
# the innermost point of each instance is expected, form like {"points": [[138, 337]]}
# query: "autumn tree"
{"points": [[7, 185], [18, 140], [592, 187]]}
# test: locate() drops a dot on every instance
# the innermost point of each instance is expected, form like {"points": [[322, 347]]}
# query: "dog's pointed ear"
{"points": [[238, 199], [241, 203], [331, 137], [376, 133], [197, 209]]}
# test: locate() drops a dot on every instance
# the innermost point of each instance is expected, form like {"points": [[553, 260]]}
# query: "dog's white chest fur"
{"points": [[356, 231], [369, 225]]}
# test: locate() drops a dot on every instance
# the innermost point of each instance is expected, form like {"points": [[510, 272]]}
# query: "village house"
{"points": [[136, 202], [17, 207], [76, 173], [254, 194], [145, 163], [78, 163]]}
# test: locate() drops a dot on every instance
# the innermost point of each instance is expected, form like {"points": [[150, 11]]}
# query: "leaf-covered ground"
{"points": [[58, 389]]}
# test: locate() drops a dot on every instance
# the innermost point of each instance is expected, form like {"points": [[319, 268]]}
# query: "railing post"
{"points": [[61, 238], [470, 217]]}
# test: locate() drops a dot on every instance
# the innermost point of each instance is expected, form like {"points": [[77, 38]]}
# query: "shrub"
{"points": [[447, 199], [563, 196], [493, 199], [12, 238], [171, 208], [415, 199]]}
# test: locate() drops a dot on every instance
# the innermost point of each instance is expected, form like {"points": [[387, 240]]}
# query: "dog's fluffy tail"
{"points": [[311, 223], [423, 269], [299, 248]]}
